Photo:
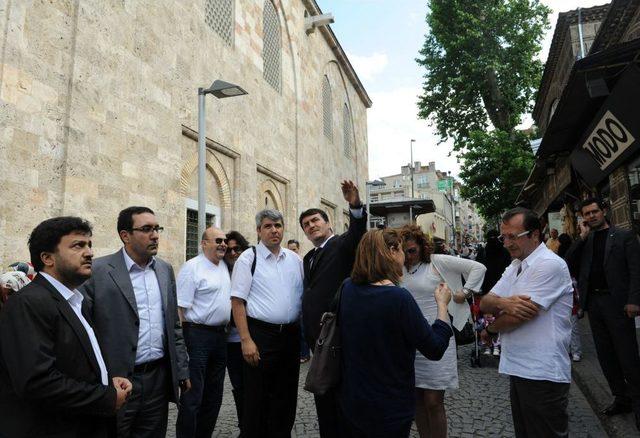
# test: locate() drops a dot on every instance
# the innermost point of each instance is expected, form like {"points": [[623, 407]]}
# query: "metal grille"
{"points": [[272, 46], [193, 239], [327, 115], [218, 14], [346, 121]]}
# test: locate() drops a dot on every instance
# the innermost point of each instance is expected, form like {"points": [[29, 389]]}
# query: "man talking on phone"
{"points": [[605, 259]]}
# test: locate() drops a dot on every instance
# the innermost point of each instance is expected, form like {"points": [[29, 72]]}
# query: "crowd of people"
{"points": [[100, 347]]}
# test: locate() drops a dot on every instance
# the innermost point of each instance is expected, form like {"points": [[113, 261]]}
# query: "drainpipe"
{"points": [[580, 36]]}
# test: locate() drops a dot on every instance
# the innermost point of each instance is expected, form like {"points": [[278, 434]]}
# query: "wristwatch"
{"points": [[468, 293]]}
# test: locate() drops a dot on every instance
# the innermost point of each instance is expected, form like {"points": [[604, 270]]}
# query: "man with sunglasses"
{"points": [[131, 299], [204, 306], [533, 302]]}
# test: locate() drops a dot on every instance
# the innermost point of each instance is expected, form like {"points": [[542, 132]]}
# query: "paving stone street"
{"points": [[480, 408]]}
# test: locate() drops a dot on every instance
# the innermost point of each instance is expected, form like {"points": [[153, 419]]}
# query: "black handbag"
{"points": [[465, 336], [324, 369]]}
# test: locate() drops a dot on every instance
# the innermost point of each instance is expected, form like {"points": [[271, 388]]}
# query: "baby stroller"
{"points": [[478, 327]]}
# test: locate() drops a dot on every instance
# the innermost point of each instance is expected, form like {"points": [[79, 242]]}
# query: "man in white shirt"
{"points": [[204, 306], [533, 302], [266, 310]]}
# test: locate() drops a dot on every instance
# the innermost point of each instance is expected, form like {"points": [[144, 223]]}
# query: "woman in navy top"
{"points": [[381, 327]]}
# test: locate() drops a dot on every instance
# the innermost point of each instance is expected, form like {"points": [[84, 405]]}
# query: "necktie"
{"points": [[314, 256], [519, 270]]}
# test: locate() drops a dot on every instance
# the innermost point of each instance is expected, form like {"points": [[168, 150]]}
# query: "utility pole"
{"points": [[411, 166]]}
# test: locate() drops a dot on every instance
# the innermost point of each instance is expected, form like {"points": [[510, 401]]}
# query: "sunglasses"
{"points": [[218, 240], [235, 249]]}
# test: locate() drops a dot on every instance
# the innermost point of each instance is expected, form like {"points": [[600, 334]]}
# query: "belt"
{"points": [[148, 366], [213, 328], [271, 326]]}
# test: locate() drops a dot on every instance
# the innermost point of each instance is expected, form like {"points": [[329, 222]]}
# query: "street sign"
{"points": [[444, 185]]}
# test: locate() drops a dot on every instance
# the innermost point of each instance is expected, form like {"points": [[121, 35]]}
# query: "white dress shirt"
{"points": [[74, 298], [150, 311], [274, 293], [204, 291], [539, 349]]}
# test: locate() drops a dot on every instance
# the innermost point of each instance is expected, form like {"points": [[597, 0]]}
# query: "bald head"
{"points": [[214, 245]]}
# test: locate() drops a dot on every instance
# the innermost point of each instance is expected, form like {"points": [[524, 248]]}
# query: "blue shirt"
{"points": [[381, 327], [150, 312]]}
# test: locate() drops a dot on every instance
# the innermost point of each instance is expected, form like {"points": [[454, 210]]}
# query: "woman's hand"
{"points": [[443, 294], [459, 297]]}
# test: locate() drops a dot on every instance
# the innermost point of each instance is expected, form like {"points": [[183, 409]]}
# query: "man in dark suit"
{"points": [[53, 379], [131, 299], [325, 267], [606, 261]]}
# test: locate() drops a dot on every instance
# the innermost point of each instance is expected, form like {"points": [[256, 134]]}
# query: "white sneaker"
{"points": [[576, 357], [496, 351], [487, 351]]}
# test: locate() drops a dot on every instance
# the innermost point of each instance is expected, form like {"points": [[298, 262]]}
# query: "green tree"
{"points": [[481, 77]]}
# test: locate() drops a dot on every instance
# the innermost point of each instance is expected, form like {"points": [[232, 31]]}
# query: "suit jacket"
{"points": [[621, 266], [321, 281], [50, 383], [111, 304]]}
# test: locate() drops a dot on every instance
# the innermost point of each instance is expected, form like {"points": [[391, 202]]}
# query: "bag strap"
{"points": [[253, 264], [337, 300]]}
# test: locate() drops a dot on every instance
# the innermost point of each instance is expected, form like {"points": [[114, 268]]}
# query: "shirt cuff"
{"points": [[357, 212], [236, 294], [185, 304]]}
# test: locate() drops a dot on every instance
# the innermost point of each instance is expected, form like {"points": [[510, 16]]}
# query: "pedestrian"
{"points": [[131, 299], [325, 267], [266, 310], [552, 242], [294, 245], [422, 273], [204, 307], [532, 305], [576, 313], [53, 378], [496, 259], [381, 326], [605, 259], [236, 244]]}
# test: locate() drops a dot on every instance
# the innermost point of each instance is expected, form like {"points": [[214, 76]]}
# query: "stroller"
{"points": [[478, 326]]}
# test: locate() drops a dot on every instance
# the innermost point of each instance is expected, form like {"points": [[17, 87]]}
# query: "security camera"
{"points": [[314, 21]]}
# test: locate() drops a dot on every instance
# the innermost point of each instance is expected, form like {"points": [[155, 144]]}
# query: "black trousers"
{"points": [[614, 335], [539, 408], [235, 370], [329, 415], [145, 413], [271, 387]]}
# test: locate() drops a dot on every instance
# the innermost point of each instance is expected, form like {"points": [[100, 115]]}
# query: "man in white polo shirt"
{"points": [[204, 306], [533, 302], [266, 309]]}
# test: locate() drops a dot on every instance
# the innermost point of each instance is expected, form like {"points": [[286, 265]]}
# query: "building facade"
{"points": [[99, 112]]}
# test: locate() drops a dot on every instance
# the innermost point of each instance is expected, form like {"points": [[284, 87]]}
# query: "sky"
{"points": [[382, 39]]}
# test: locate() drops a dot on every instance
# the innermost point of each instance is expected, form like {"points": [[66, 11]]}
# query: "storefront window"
{"points": [[634, 192]]}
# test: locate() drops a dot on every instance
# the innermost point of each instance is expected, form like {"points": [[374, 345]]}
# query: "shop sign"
{"points": [[608, 141]]}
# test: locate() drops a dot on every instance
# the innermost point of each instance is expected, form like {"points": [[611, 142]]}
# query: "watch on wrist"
{"points": [[468, 293]]}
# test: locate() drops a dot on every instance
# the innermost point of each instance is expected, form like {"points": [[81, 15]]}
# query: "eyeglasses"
{"points": [[147, 229], [235, 249], [504, 237], [218, 240], [411, 251]]}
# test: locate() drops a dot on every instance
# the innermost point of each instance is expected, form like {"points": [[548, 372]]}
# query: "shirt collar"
{"points": [[130, 263], [533, 256], [325, 242], [66, 293], [265, 253], [209, 263]]}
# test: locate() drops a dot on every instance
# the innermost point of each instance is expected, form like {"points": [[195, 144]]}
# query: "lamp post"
{"points": [[411, 165], [368, 184], [221, 90]]}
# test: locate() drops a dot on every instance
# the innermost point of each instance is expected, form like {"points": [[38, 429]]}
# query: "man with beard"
{"points": [[325, 268], [131, 299], [204, 306], [606, 260], [53, 379]]}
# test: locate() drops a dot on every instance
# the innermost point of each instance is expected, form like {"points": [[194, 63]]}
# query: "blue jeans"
{"points": [[200, 406]]}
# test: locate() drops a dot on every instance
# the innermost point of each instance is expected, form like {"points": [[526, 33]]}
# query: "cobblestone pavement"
{"points": [[480, 408]]}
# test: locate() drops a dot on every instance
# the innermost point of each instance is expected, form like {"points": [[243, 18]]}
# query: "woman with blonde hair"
{"points": [[381, 326], [422, 275]]}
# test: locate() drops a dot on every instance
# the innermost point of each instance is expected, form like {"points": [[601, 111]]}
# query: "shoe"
{"points": [[576, 357], [617, 408], [487, 351], [304, 359], [496, 351]]}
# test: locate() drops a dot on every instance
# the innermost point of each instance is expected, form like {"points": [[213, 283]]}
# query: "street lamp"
{"points": [[221, 90], [368, 184], [411, 165]]}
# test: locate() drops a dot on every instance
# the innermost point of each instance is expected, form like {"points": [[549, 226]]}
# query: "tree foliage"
{"points": [[481, 77]]}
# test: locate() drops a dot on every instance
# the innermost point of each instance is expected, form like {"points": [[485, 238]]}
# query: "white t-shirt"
{"points": [[204, 291], [539, 349]]}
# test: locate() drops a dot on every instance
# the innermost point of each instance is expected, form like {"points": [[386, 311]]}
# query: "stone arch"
{"points": [[269, 190], [213, 166]]}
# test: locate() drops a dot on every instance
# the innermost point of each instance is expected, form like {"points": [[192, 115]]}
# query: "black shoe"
{"points": [[617, 408]]}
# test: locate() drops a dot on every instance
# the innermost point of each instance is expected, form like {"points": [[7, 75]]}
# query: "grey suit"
{"points": [[111, 305]]}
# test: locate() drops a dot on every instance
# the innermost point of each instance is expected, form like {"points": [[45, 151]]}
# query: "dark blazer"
{"points": [[330, 268], [111, 304], [49, 377], [621, 265]]}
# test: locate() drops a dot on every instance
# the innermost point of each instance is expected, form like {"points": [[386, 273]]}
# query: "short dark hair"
{"points": [[593, 200], [311, 212], [290, 241], [530, 220], [125, 217], [46, 236], [242, 242]]}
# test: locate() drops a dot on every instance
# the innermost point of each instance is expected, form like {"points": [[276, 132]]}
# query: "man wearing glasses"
{"points": [[131, 299], [533, 302], [204, 306]]}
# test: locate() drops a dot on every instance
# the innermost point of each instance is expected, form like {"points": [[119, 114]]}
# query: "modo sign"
{"points": [[611, 138]]}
